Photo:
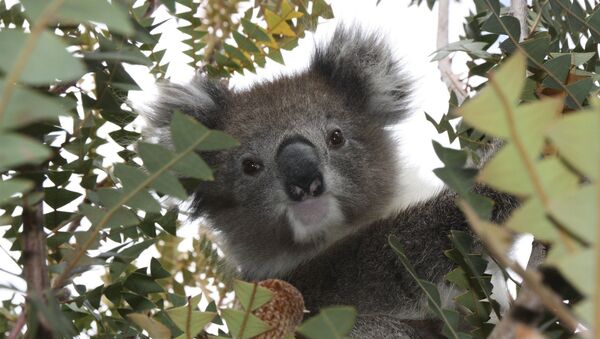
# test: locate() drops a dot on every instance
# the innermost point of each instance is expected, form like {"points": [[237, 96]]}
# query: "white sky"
{"points": [[412, 33]]}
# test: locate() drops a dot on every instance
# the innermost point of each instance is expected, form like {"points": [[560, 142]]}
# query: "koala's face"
{"points": [[310, 166], [315, 160]]}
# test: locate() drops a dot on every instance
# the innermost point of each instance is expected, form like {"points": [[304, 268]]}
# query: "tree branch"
{"points": [[16, 330], [35, 268], [445, 65], [519, 11]]}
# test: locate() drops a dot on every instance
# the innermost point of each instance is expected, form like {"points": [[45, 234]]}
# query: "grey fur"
{"points": [[356, 85]]}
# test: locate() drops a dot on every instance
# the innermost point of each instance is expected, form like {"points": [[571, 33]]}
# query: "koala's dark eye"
{"points": [[336, 138], [251, 167]]}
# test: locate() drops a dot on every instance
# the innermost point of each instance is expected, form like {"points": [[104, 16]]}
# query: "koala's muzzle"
{"points": [[298, 163]]}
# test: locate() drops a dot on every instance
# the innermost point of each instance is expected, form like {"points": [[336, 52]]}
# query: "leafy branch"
{"points": [[125, 200], [449, 317], [23, 57], [533, 280], [583, 22], [515, 41]]}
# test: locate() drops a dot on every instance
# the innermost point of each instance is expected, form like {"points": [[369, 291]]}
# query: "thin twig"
{"points": [[16, 330], [538, 18]]}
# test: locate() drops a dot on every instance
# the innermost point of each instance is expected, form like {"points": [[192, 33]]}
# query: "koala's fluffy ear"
{"points": [[362, 66], [201, 98]]}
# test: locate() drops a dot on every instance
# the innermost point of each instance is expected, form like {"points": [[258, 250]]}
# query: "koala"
{"points": [[314, 189]]}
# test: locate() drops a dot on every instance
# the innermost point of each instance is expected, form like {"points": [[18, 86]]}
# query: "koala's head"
{"points": [[315, 161]]}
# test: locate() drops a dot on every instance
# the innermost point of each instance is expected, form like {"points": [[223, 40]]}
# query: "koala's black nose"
{"points": [[299, 165]]}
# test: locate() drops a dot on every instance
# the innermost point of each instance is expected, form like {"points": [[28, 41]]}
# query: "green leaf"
{"points": [[275, 55], [449, 156], [112, 15], [467, 45], [137, 302], [59, 178], [142, 284], [94, 295], [559, 67], [58, 239], [255, 31], [122, 217], [191, 165], [243, 325], [186, 131], [530, 122], [578, 212], [124, 138], [168, 184], [155, 329], [245, 43], [169, 221], [507, 172], [580, 90], [277, 24], [531, 218], [577, 59], [47, 62], [593, 20], [574, 136], [486, 111], [58, 197], [131, 56], [331, 322], [133, 178], [250, 295], [26, 106], [537, 46], [11, 187], [473, 264], [134, 251], [493, 26], [579, 268], [18, 150], [189, 319], [157, 271]]}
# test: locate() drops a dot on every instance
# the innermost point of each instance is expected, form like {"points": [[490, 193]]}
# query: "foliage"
{"points": [[537, 97], [64, 82]]}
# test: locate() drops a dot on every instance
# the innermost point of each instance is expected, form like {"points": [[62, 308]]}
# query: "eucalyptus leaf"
{"points": [[253, 326], [250, 295], [142, 284], [486, 111], [574, 136], [578, 212], [155, 329], [18, 150], [112, 15], [10, 187], [331, 322], [47, 62], [188, 319], [27, 106]]}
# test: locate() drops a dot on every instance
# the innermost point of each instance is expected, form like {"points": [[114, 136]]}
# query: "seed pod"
{"points": [[283, 312]]}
